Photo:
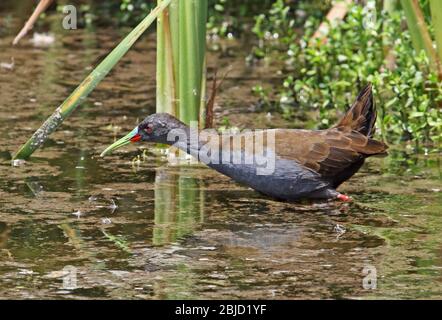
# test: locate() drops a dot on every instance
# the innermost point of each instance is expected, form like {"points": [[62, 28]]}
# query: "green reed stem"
{"points": [[88, 85], [420, 36], [436, 16], [182, 91]]}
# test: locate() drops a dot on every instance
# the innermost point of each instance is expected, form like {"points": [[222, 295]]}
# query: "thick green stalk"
{"points": [[436, 16], [166, 89], [390, 7], [201, 7], [420, 36], [86, 87], [181, 52], [192, 24], [188, 68], [174, 10], [201, 10], [203, 102], [182, 91]]}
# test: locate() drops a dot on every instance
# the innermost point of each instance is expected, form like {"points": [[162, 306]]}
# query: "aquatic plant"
{"points": [[181, 59], [419, 33], [436, 18], [281, 26], [325, 76], [231, 18], [88, 85], [181, 67]]}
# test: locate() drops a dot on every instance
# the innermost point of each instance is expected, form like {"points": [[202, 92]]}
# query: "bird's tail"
{"points": [[361, 117]]}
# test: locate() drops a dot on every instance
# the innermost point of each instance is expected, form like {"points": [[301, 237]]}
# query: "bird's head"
{"points": [[154, 128]]}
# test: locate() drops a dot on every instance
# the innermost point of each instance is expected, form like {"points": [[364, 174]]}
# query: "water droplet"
{"points": [[78, 214], [113, 206], [18, 162]]}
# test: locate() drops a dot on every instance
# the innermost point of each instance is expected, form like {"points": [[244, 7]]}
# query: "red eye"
{"points": [[148, 130]]}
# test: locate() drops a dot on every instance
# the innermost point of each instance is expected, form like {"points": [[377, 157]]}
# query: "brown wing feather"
{"points": [[328, 152], [361, 117]]}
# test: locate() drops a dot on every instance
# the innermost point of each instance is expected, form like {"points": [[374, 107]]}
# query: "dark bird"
{"points": [[306, 163]]}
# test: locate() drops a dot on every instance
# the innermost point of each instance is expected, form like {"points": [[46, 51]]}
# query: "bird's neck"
{"points": [[195, 143], [186, 139]]}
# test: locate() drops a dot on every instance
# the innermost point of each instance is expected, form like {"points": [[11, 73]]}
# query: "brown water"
{"points": [[73, 225]]}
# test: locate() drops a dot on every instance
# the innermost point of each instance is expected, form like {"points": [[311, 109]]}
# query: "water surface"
{"points": [[73, 225]]}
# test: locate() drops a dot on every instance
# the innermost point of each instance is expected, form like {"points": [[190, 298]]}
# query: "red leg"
{"points": [[344, 198]]}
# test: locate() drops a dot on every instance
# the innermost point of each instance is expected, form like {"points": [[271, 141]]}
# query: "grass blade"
{"points": [[166, 89], [188, 68], [420, 36], [436, 16], [192, 24], [88, 84], [41, 7], [181, 60]]}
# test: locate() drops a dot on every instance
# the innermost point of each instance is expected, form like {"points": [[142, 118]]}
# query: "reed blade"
{"points": [[436, 17], [181, 55], [41, 7], [420, 36], [166, 85], [193, 14], [88, 85]]}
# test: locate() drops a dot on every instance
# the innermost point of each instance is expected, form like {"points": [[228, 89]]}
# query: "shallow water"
{"points": [[73, 225]]}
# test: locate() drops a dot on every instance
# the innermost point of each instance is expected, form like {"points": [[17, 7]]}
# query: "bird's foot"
{"points": [[343, 197]]}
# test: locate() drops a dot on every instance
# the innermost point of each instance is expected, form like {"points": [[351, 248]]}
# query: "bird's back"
{"points": [[307, 163]]}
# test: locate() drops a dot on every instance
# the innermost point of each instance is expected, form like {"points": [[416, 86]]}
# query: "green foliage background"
{"points": [[325, 77]]}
